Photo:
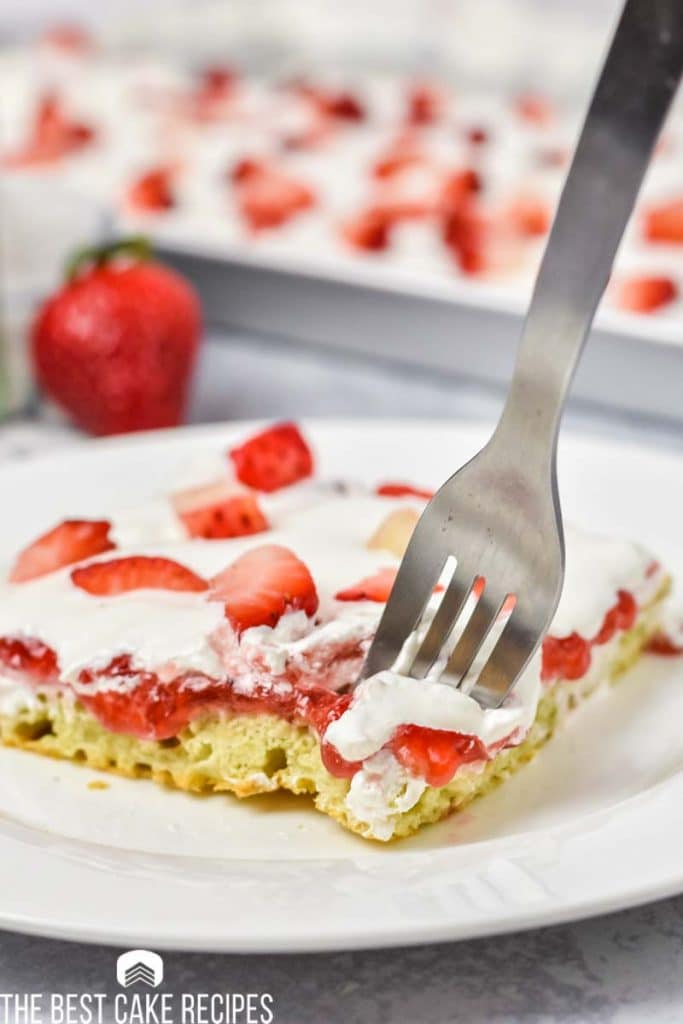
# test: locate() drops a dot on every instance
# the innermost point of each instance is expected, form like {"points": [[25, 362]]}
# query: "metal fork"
{"points": [[499, 516]]}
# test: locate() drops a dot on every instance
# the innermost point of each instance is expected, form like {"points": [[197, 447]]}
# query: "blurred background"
{"points": [[358, 196]]}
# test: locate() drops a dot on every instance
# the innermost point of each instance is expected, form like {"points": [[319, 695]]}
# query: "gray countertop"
{"points": [[623, 967]]}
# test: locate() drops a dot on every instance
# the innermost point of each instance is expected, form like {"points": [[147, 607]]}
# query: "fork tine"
{"points": [[507, 660], [449, 610], [477, 629], [414, 585]]}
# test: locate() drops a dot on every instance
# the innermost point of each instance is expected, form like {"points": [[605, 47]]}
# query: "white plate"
{"points": [[595, 823]]}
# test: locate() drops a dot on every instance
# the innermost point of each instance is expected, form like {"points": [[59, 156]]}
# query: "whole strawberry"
{"points": [[116, 345]]}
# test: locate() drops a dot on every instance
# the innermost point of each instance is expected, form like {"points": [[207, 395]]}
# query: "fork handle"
{"points": [[634, 91]]}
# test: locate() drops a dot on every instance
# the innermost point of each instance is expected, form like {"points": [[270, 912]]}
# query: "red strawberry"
{"points": [[621, 616], [71, 541], [458, 188], [664, 223], [369, 231], [400, 490], [52, 135], [665, 646], [477, 136], [645, 294], [275, 458], [342, 106], [116, 345], [138, 572], [152, 191], [566, 657], [266, 196], [263, 584], [216, 86], [535, 108], [425, 104], [434, 754], [219, 511], [528, 215], [69, 38], [372, 588]]}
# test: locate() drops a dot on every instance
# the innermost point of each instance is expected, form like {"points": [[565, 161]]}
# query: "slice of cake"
{"points": [[211, 641]]}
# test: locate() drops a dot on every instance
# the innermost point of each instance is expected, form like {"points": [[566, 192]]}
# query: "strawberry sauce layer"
{"points": [[142, 704]]}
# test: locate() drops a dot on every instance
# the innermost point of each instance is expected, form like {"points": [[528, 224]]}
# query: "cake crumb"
{"points": [[98, 784]]}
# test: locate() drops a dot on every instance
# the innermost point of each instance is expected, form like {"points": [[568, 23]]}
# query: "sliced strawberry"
{"points": [[535, 109], [137, 572], [664, 223], [28, 656], [477, 136], [620, 616], [71, 541], [424, 104], [69, 38], [528, 215], [219, 511], [665, 646], [275, 458], [246, 168], [263, 584], [458, 187], [372, 588], [342, 106], [53, 135], [396, 160], [465, 233], [401, 490], [644, 294], [370, 231], [566, 657], [434, 754], [267, 197], [152, 192]]}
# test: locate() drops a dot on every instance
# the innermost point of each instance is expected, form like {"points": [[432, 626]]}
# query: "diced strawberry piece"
{"points": [[27, 656], [245, 169], [372, 588], [528, 215], [435, 754], [621, 616], [216, 86], [329, 755], [69, 38], [664, 223], [275, 458], [52, 136], [401, 490], [477, 136], [535, 109], [458, 188], [219, 511], [137, 572], [567, 657], [464, 232], [665, 646], [71, 541], [343, 106], [266, 196], [370, 231], [152, 192], [644, 294], [261, 585], [395, 161], [424, 104]]}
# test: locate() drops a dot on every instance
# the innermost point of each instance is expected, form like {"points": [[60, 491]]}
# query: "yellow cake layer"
{"points": [[248, 754]]}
